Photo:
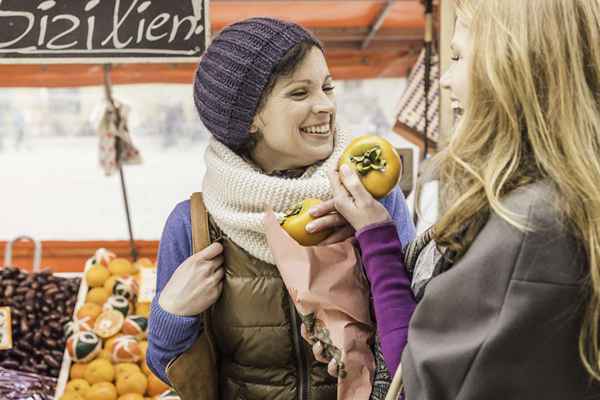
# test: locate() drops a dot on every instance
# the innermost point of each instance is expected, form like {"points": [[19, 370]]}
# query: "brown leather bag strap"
{"points": [[194, 374], [199, 217]]}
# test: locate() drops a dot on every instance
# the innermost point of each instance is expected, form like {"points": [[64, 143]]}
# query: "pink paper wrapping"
{"points": [[331, 295]]}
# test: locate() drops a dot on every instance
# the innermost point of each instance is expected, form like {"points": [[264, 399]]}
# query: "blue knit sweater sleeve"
{"points": [[396, 205], [170, 335]]}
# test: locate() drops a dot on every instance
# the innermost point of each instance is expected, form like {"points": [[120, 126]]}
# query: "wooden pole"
{"points": [[428, 55], [118, 148], [377, 24]]}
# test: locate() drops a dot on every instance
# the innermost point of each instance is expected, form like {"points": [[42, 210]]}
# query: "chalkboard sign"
{"points": [[102, 31]]}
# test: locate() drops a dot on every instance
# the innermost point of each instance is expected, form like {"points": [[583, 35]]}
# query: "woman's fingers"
{"points": [[338, 236], [333, 220], [216, 263], [351, 182], [336, 185], [218, 276], [322, 209], [208, 253], [342, 199]]}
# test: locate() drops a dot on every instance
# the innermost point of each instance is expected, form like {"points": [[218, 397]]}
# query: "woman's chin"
{"points": [[315, 157]]}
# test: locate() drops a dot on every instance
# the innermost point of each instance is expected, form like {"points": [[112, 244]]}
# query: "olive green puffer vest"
{"points": [[255, 332]]}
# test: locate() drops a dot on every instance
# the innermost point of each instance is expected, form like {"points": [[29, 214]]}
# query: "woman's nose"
{"points": [[324, 105]]}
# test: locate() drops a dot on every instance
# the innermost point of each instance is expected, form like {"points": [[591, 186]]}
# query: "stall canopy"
{"points": [[363, 38]]}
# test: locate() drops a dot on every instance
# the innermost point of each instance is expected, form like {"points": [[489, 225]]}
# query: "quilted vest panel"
{"points": [[257, 334]]}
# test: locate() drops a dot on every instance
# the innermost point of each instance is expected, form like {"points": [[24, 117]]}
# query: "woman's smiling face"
{"points": [[296, 125], [457, 78]]}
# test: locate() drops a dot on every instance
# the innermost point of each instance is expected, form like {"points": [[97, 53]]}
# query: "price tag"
{"points": [[147, 285], [5, 329]]}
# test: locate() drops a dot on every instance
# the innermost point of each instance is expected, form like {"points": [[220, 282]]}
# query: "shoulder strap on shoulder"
{"points": [[194, 373], [199, 217]]}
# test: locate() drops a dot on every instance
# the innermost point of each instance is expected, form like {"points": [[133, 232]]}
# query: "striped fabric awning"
{"points": [[412, 103]]}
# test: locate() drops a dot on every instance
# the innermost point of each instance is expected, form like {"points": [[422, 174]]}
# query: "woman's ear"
{"points": [[257, 122], [253, 128]]}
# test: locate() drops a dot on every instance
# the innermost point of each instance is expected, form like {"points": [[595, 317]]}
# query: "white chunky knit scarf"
{"points": [[236, 193]]}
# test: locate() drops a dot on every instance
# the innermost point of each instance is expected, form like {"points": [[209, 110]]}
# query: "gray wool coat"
{"points": [[504, 321]]}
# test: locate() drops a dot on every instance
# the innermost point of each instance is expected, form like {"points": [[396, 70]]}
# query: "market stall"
{"points": [[364, 39]]}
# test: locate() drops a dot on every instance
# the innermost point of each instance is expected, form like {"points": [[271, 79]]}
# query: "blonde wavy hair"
{"points": [[533, 113]]}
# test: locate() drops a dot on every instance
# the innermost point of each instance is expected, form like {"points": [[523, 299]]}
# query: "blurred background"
{"points": [[54, 190]]}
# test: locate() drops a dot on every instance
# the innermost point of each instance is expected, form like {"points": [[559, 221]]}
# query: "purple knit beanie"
{"points": [[234, 71]]}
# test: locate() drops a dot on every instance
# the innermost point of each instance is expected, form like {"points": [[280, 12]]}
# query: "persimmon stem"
{"points": [[370, 160], [293, 210]]}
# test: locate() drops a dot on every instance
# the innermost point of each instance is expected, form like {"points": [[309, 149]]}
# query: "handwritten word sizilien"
{"points": [[79, 31]]}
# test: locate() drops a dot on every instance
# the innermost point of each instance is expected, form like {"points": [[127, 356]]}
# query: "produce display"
{"points": [[295, 220], [106, 341], [18, 385], [376, 162], [40, 305]]}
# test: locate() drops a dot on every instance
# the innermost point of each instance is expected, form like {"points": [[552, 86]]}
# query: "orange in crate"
{"points": [[102, 391], [97, 295], [126, 368], [145, 367], [80, 386], [142, 309], [126, 349], [105, 355], [109, 323], [132, 383], [144, 347], [110, 342], [99, 370], [71, 396], [156, 386], [135, 325], [77, 370], [131, 396], [79, 325], [110, 283], [103, 256], [121, 267], [89, 310], [96, 275], [83, 346]]}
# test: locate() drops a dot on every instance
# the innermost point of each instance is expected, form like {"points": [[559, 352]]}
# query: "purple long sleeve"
{"points": [[393, 299]]}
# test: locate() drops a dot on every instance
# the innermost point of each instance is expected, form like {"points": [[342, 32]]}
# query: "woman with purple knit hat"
{"points": [[264, 91]]}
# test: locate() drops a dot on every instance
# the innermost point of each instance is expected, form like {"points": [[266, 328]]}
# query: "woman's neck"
{"points": [[270, 165], [272, 170]]}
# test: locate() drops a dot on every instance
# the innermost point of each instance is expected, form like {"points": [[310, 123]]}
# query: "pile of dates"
{"points": [[41, 304]]}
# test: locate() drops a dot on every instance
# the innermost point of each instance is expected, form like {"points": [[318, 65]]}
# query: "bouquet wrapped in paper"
{"points": [[331, 294]]}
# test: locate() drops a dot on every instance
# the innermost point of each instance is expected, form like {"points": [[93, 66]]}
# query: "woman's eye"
{"points": [[455, 58], [328, 89], [299, 93]]}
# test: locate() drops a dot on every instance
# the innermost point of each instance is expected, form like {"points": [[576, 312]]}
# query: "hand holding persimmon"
{"points": [[376, 162]]}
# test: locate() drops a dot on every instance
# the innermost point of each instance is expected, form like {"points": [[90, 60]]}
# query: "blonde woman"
{"points": [[508, 287]]}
